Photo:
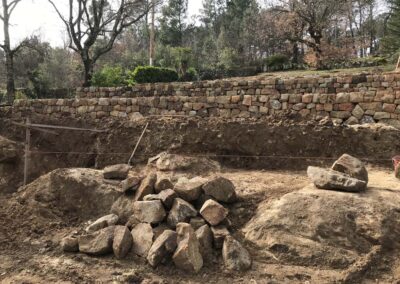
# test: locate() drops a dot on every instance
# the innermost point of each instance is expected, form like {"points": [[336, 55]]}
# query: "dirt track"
{"points": [[30, 253]]}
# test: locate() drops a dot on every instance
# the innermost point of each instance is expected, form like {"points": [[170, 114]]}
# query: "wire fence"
{"points": [[280, 157]]}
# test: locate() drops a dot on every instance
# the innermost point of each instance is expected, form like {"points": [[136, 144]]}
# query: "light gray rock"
{"points": [[103, 222], [197, 222], [142, 235], [333, 180], [351, 166], [221, 189], [205, 237], [119, 172], [189, 189], [97, 243], [146, 187], [151, 212], [70, 244], [167, 197], [187, 255], [213, 212], [181, 211], [162, 247], [235, 256], [131, 183], [123, 207], [122, 242], [163, 182], [219, 234], [160, 229]]}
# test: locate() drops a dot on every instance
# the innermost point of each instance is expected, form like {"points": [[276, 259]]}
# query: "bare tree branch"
{"points": [[94, 25]]}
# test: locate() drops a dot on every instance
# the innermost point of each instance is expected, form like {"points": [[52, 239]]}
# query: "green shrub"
{"points": [[149, 74], [277, 62], [190, 76], [109, 77]]}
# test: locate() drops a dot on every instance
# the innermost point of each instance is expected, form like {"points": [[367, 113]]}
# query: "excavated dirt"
{"points": [[361, 247], [29, 236]]}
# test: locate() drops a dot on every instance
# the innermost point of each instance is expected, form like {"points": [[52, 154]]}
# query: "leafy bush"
{"points": [[191, 75], [277, 62], [109, 77], [149, 74]]}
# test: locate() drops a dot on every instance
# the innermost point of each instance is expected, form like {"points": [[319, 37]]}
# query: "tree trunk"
{"points": [[88, 69], [9, 54], [317, 37], [10, 78]]}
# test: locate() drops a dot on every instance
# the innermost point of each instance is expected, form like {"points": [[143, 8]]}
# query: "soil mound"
{"points": [[80, 193], [332, 229]]}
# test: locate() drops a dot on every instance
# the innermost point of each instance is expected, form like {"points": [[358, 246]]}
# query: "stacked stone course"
{"points": [[351, 99]]}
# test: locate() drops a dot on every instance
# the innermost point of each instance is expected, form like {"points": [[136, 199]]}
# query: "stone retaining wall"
{"points": [[349, 99]]}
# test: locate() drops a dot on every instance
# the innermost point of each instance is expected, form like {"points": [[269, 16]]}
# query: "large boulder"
{"points": [[235, 256], [351, 166], [163, 247], [97, 243], [333, 180], [103, 222], [123, 208], [143, 236], [187, 255], [326, 228], [163, 182], [118, 172], [151, 212], [189, 189], [166, 196], [181, 212], [221, 189], [219, 234], [173, 162], [213, 212], [131, 183], [205, 237], [69, 244], [122, 241], [146, 187]]}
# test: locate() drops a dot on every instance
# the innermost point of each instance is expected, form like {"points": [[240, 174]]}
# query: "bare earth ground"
{"points": [[30, 254]]}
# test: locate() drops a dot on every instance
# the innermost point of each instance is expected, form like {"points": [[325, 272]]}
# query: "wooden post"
{"points": [[27, 150]]}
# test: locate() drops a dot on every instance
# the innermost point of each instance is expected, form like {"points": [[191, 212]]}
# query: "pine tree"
{"points": [[172, 22], [391, 41]]}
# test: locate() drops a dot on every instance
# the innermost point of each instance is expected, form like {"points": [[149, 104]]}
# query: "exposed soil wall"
{"points": [[250, 144]]}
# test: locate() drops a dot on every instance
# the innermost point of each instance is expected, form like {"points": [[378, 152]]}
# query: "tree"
{"points": [[317, 15], [94, 25], [10, 53], [391, 41], [172, 22]]}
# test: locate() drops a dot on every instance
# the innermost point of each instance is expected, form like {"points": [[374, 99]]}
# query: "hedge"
{"points": [[149, 74]]}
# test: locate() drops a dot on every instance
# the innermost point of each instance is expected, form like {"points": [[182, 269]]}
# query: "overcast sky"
{"points": [[38, 17]]}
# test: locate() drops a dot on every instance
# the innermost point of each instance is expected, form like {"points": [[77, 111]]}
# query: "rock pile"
{"points": [[347, 174], [183, 221]]}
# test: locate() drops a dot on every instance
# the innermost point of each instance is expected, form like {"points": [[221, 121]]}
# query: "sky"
{"points": [[38, 17]]}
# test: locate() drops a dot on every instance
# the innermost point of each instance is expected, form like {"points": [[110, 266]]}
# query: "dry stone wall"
{"points": [[348, 99]]}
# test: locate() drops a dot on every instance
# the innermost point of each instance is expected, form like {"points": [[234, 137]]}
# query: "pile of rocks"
{"points": [[184, 221], [347, 174]]}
